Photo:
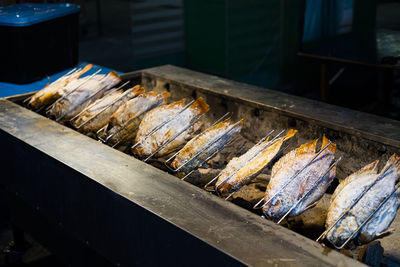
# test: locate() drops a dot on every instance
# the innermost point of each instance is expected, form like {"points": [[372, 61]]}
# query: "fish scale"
{"points": [[379, 187], [289, 166]]}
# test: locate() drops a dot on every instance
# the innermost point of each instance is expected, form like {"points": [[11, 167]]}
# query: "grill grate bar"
{"points": [[174, 137]]}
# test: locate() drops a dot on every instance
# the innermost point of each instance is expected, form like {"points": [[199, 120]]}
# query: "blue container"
{"points": [[37, 40]]}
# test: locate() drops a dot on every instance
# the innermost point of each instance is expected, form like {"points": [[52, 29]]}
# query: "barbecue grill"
{"points": [[107, 207]]}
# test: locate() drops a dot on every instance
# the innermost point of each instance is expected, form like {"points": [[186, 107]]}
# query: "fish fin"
{"points": [[176, 104], [290, 134], [200, 105], [86, 68], [238, 124], [306, 148], [165, 95], [114, 74], [83, 71], [137, 89], [369, 168], [331, 148], [303, 149]]}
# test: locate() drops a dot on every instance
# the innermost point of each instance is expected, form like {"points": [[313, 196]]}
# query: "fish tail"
{"points": [[290, 134], [372, 167], [221, 124], [200, 105], [113, 74], [331, 148], [165, 95], [238, 125], [84, 70]]}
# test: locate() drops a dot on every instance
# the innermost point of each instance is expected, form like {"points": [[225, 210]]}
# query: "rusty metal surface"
{"points": [[139, 189]]}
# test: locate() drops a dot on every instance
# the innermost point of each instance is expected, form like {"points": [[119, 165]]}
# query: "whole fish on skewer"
{"points": [[124, 123], [56, 89], [213, 138], [176, 119], [241, 169], [352, 189], [92, 89], [285, 170], [98, 114]]}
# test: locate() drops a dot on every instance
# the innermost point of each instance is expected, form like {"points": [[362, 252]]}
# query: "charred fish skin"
{"points": [[384, 184], [69, 102], [380, 222], [214, 139], [53, 91], [79, 99], [124, 123], [104, 109], [287, 168], [240, 170], [176, 119]]}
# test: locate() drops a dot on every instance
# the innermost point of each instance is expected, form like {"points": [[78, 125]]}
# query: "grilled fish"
{"points": [[351, 189], [90, 90], [287, 167], [125, 121], [56, 89], [205, 144], [241, 169], [97, 114], [176, 118]]}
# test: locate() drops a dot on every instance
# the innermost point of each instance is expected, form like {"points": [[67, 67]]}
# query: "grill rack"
{"points": [[266, 203], [255, 155], [203, 149], [104, 109], [289, 180]]}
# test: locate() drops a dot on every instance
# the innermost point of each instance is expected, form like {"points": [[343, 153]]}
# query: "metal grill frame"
{"points": [[70, 191]]}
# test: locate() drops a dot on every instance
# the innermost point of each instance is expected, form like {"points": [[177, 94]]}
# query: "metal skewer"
{"points": [[256, 206], [70, 72], [253, 157], [203, 148], [88, 98], [105, 108], [174, 137], [259, 142], [174, 155], [294, 176], [369, 217], [207, 159], [123, 127], [355, 202], [86, 108], [86, 79], [163, 123], [234, 192], [316, 183]]}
